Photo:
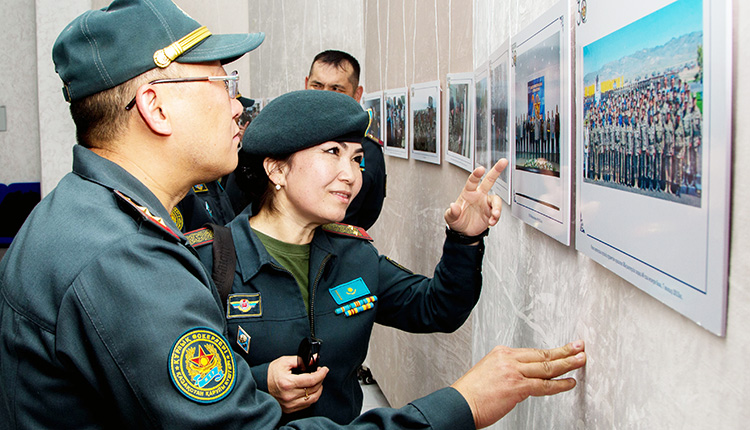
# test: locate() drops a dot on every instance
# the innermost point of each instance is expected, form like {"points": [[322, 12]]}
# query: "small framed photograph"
{"points": [[396, 124], [481, 116], [500, 114], [374, 103], [425, 120], [541, 83], [459, 124]]}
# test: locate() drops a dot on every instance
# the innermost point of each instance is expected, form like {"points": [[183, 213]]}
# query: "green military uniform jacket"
{"points": [[204, 203], [109, 320], [344, 268]]}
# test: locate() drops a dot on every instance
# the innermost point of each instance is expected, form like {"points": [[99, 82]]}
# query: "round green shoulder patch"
{"points": [[201, 365]]}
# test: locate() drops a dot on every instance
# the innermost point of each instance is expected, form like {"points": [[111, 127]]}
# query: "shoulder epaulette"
{"points": [[146, 214], [347, 230], [374, 139], [200, 236]]}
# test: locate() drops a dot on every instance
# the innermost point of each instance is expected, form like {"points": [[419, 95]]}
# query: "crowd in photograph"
{"points": [[425, 133], [645, 135], [538, 140], [394, 121], [458, 139]]}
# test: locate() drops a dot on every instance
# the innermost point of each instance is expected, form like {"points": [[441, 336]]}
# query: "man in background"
{"points": [[339, 71]]}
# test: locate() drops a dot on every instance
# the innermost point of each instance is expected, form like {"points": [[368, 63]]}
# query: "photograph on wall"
{"points": [[396, 123], [653, 152], [374, 102], [425, 121], [459, 116], [540, 85], [481, 116], [499, 117]]}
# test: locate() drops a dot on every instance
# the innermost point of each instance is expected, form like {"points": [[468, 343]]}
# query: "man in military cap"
{"points": [[339, 71], [107, 317]]}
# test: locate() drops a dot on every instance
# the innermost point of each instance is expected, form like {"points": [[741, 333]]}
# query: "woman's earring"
{"points": [[278, 187]]}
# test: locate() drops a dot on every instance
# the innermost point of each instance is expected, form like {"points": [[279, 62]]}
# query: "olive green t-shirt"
{"points": [[294, 258]]}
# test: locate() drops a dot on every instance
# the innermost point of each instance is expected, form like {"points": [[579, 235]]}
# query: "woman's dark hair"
{"points": [[252, 179]]}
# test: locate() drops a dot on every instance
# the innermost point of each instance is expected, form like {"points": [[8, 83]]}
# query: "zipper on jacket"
{"points": [[312, 294]]}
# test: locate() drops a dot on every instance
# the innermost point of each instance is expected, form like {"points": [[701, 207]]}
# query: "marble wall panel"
{"points": [[296, 31], [19, 144]]}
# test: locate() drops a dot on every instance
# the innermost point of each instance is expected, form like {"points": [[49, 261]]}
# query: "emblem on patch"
{"points": [[244, 305], [349, 291], [243, 339], [177, 217], [201, 365], [200, 188]]}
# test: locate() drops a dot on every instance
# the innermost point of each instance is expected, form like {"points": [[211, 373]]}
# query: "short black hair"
{"points": [[336, 58]]}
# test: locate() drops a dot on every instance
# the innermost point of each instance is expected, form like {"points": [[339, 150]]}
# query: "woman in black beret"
{"points": [[306, 284]]}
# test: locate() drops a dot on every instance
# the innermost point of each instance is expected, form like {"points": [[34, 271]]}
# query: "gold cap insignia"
{"points": [[165, 56]]}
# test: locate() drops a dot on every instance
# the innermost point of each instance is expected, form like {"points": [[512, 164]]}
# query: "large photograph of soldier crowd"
{"points": [[537, 115], [395, 119], [643, 106]]}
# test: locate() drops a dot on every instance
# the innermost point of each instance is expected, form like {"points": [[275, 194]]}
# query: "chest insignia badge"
{"points": [[243, 339], [200, 188], [244, 305]]}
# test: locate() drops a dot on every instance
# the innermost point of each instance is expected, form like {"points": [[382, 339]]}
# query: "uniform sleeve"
{"points": [[443, 409], [418, 304]]}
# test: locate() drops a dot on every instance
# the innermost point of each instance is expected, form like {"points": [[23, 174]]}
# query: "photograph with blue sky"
{"points": [[658, 41]]}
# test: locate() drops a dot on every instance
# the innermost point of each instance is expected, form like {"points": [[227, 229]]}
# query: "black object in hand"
{"points": [[308, 355]]}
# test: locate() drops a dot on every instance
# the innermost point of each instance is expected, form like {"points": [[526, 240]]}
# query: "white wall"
{"points": [[297, 30]]}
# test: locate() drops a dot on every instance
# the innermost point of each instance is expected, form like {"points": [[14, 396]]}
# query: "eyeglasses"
{"points": [[308, 355], [230, 82]]}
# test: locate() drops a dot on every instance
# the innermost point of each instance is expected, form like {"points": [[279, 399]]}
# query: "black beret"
{"points": [[305, 118]]}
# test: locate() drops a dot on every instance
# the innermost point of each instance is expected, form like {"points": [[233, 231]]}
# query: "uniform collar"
{"points": [[108, 174], [252, 255]]}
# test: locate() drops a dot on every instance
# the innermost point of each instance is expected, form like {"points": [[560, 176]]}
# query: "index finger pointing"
{"points": [[493, 174]]}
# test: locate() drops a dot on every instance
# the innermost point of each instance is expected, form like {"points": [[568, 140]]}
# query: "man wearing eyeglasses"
{"points": [[107, 317]]}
